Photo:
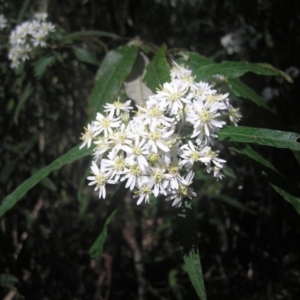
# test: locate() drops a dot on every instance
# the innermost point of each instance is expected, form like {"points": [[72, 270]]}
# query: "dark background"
{"points": [[44, 239]]}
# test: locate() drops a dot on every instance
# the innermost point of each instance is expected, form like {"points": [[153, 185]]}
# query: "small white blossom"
{"points": [[117, 107], [27, 37], [100, 178], [3, 22]]}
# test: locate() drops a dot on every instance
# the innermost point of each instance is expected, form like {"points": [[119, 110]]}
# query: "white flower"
{"points": [[26, 37], [144, 190], [41, 16], [105, 124], [114, 165], [190, 155], [204, 119], [234, 115], [173, 95], [183, 191], [38, 38], [117, 107], [99, 178], [208, 156], [87, 136], [159, 180], [137, 152], [3, 21], [157, 139], [133, 174], [153, 114]]}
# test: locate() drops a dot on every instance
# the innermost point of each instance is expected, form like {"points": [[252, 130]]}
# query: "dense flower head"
{"points": [[27, 37], [157, 150]]}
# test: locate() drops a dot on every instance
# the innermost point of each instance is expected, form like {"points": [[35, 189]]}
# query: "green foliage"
{"points": [[136, 72], [12, 199], [23, 98], [86, 56], [240, 89], [96, 249], [157, 71], [113, 71], [42, 64], [187, 233], [267, 137]]}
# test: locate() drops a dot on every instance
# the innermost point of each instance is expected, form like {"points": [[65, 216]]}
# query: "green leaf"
{"points": [[186, 227], [87, 33], [193, 60], [8, 168], [42, 64], [231, 201], [8, 280], [49, 184], [248, 151], [23, 11], [23, 98], [267, 137], [83, 197], [237, 69], [279, 182], [294, 200], [240, 89], [113, 71], [158, 70], [86, 56], [297, 156], [194, 269], [96, 249], [71, 156]]}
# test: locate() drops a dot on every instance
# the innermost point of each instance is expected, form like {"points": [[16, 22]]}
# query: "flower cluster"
{"points": [[155, 149], [2, 22], [239, 40], [28, 36]]}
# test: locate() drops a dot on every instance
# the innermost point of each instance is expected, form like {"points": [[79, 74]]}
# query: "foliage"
{"points": [[43, 112]]}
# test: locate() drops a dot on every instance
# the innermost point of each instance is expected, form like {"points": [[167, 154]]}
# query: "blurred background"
{"points": [[249, 237]]}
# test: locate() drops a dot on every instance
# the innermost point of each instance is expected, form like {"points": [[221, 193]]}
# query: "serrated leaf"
{"points": [[113, 71], [186, 228], [23, 98], [158, 70], [237, 69], [240, 89], [41, 65], [267, 137], [86, 56], [135, 88], [194, 269], [71, 156]]}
